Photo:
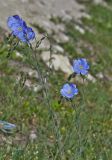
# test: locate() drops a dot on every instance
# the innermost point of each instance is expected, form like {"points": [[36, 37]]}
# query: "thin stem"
{"points": [[71, 76], [13, 47], [68, 135], [77, 122], [45, 89]]}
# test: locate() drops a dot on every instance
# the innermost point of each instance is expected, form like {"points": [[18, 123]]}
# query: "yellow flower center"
{"points": [[69, 91], [81, 67], [19, 28]]}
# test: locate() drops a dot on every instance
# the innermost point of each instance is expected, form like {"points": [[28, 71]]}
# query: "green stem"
{"points": [[45, 91]]}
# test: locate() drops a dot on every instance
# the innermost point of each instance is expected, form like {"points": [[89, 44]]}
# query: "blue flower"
{"points": [[69, 90], [22, 37], [12, 21], [20, 29], [30, 33], [7, 127], [80, 66], [16, 24], [27, 35]]}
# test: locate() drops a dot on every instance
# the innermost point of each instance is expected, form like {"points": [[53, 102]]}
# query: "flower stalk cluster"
{"points": [[21, 32], [20, 29]]}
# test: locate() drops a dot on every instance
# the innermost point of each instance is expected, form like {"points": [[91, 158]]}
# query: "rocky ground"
{"points": [[40, 11], [43, 13]]}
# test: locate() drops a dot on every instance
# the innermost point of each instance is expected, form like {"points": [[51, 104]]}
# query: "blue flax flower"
{"points": [[7, 127], [69, 90], [80, 66], [20, 29], [17, 25], [13, 21], [30, 35], [27, 35]]}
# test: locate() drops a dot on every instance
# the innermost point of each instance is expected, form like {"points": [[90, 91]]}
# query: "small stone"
{"points": [[100, 75], [59, 62], [91, 78], [28, 83], [60, 27], [61, 37], [32, 135], [19, 55], [24, 1], [32, 73], [44, 45], [80, 29], [23, 68], [98, 1], [37, 88], [58, 48]]}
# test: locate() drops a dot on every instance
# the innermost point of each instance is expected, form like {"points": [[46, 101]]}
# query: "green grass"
{"points": [[96, 43], [29, 111]]}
